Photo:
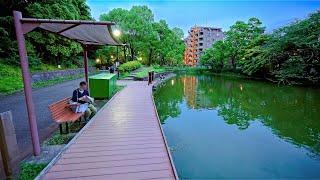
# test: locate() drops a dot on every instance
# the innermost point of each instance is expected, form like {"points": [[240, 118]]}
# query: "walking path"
{"points": [[42, 97], [123, 141]]}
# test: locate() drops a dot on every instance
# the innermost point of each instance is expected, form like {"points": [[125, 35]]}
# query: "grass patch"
{"points": [[30, 170], [11, 79], [123, 75], [59, 139], [144, 72], [55, 81]]}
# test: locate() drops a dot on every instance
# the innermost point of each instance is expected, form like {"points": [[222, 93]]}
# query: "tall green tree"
{"points": [[152, 41], [239, 37], [40, 45]]}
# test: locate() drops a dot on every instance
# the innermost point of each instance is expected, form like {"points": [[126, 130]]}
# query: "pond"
{"points": [[223, 127]]}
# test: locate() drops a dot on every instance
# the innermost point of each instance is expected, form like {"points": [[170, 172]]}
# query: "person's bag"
{"points": [[74, 106]]}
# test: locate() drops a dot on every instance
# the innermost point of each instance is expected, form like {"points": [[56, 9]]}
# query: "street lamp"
{"points": [[116, 32]]}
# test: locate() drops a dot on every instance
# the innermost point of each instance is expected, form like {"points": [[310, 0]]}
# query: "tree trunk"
{"points": [[124, 54], [233, 63], [150, 57], [132, 53]]}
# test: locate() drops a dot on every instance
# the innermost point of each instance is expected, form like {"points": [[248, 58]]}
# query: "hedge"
{"points": [[129, 66]]}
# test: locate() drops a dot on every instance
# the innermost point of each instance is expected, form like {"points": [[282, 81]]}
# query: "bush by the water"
{"points": [[129, 66]]}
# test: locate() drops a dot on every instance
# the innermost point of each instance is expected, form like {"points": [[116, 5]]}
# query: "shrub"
{"points": [[30, 170], [129, 66]]}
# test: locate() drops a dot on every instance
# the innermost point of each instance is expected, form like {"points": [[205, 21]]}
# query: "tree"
{"points": [[40, 45], [239, 37], [152, 41], [217, 56]]}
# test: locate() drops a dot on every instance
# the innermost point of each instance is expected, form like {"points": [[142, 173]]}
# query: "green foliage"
{"points": [[290, 54], [11, 79], [42, 47], [129, 66], [59, 139], [30, 170], [153, 42], [217, 56], [145, 71]]}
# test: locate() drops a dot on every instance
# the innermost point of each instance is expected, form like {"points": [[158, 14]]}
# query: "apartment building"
{"points": [[199, 39]]}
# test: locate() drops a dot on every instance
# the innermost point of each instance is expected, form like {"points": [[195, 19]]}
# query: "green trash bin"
{"points": [[102, 85]]}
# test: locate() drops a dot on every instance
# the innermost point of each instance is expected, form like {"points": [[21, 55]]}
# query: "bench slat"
{"points": [[60, 111]]}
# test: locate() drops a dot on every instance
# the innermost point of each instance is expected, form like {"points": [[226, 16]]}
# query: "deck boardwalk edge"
{"points": [[58, 156], [164, 139]]}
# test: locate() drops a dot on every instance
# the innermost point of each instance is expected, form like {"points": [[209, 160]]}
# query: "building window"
{"points": [[200, 44]]}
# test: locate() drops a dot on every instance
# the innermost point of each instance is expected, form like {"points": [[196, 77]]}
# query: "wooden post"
{"points": [[27, 82], [85, 59], [8, 143], [149, 77], [2, 173]]}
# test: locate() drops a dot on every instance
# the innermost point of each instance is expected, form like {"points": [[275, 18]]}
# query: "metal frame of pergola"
{"points": [[88, 33]]}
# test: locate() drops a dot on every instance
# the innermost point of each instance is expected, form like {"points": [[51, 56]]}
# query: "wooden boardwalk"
{"points": [[123, 141]]}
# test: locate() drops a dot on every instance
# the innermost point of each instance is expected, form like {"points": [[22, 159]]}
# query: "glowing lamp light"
{"points": [[172, 82], [139, 58], [98, 60], [117, 32], [111, 56]]}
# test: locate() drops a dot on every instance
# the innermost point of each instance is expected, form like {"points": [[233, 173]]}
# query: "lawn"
{"points": [[144, 72], [11, 79]]}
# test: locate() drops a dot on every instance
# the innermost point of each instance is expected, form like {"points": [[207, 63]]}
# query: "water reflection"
{"points": [[291, 113]]}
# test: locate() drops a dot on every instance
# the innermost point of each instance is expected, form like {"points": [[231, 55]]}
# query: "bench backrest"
{"points": [[60, 108]]}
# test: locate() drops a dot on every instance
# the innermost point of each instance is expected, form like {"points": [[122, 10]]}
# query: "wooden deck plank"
{"points": [[123, 141], [152, 175]]}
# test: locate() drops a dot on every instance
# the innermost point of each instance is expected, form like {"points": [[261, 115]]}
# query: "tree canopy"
{"points": [[153, 42], [289, 54], [41, 46]]}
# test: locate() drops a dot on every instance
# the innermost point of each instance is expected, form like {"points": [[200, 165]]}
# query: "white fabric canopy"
{"points": [[84, 32]]}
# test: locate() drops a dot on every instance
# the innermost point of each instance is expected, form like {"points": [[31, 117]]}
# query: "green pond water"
{"points": [[222, 127]]}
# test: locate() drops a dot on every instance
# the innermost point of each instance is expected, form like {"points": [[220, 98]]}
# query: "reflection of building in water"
{"points": [[190, 90]]}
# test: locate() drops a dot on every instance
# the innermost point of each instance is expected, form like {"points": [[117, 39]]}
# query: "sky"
{"points": [[187, 13]]}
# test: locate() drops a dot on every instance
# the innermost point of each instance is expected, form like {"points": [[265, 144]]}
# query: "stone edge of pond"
{"points": [[159, 82]]}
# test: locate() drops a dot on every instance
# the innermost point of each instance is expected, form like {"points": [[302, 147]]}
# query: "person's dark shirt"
{"points": [[77, 94]]}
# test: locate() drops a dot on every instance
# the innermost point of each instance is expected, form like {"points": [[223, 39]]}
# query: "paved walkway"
{"points": [[123, 141], [42, 97]]}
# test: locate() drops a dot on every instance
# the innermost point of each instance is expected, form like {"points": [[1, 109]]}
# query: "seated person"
{"points": [[81, 96]]}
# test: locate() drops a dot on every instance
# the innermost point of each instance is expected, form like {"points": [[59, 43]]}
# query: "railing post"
{"points": [[149, 77], [85, 59], [27, 82], [8, 143]]}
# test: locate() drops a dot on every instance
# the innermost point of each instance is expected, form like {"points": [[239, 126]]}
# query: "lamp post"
{"points": [[117, 34]]}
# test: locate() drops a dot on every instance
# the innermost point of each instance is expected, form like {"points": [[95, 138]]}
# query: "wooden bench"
{"points": [[62, 113]]}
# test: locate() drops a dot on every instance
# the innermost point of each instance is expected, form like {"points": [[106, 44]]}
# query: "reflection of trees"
{"points": [[168, 98], [292, 113]]}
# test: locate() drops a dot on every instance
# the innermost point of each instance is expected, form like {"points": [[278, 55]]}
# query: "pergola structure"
{"points": [[87, 33]]}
